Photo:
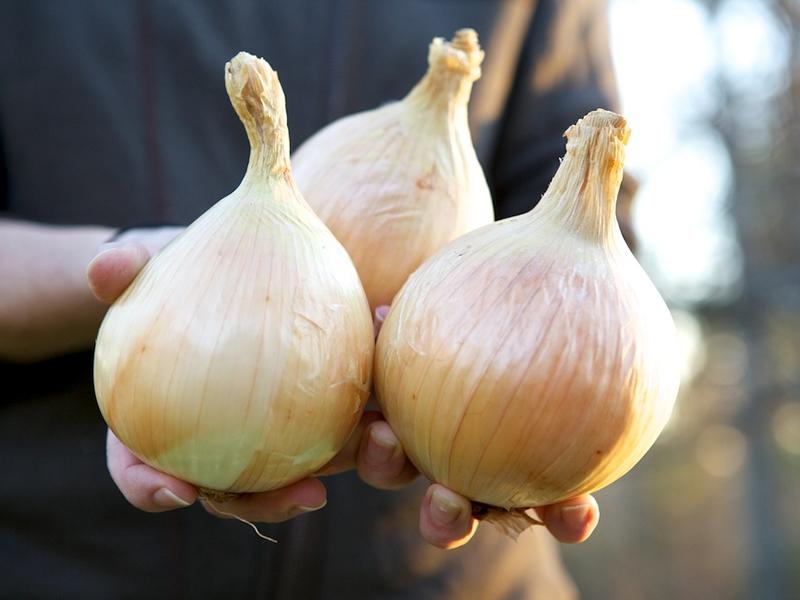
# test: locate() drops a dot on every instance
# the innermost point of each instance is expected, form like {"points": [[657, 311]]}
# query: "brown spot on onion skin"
{"points": [[426, 182]]}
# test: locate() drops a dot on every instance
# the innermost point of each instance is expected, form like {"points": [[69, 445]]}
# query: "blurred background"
{"points": [[711, 89]]}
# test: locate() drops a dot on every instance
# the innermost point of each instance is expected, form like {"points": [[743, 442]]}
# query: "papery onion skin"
{"points": [[532, 360], [396, 183], [239, 359]]}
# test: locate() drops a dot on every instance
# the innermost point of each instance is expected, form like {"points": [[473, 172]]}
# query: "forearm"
{"points": [[46, 307]]}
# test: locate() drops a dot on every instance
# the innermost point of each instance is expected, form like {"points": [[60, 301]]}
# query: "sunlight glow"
{"points": [[666, 60]]}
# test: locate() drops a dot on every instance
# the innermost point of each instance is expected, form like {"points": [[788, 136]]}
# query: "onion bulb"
{"points": [[396, 183], [532, 360], [239, 359]]}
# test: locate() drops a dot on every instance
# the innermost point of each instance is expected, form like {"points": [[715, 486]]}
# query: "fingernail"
{"points": [[381, 312], [444, 511], [381, 448], [575, 515], [167, 499], [107, 246], [301, 510]]}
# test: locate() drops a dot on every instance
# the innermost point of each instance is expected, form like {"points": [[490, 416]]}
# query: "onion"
{"points": [[402, 177], [239, 359], [532, 360]]}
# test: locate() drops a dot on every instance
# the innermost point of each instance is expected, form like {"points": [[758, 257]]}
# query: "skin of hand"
{"points": [[445, 517]]}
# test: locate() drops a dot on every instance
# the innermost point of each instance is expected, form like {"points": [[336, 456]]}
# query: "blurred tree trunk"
{"points": [[765, 208]]}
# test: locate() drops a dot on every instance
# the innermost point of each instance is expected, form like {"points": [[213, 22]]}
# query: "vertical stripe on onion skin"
{"points": [[532, 360], [396, 183], [240, 357]]}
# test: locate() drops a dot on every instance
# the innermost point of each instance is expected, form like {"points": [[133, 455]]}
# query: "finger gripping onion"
{"points": [[239, 359], [532, 360], [396, 183]]}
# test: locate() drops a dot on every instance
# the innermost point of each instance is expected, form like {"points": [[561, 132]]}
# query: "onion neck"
{"points": [[582, 196], [258, 99], [452, 69]]}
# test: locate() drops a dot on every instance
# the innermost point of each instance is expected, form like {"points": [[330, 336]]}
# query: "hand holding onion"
{"points": [[445, 517]]}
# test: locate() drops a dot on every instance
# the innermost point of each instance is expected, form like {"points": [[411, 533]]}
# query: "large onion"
{"points": [[532, 360], [239, 359], [396, 183]]}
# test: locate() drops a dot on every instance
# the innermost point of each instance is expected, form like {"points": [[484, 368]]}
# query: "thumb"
{"points": [[114, 268]]}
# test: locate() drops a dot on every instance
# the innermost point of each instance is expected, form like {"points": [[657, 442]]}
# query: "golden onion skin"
{"points": [[239, 359], [532, 360], [396, 183]]}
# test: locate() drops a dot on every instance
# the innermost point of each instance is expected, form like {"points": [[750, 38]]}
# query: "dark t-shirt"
{"points": [[115, 113]]}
